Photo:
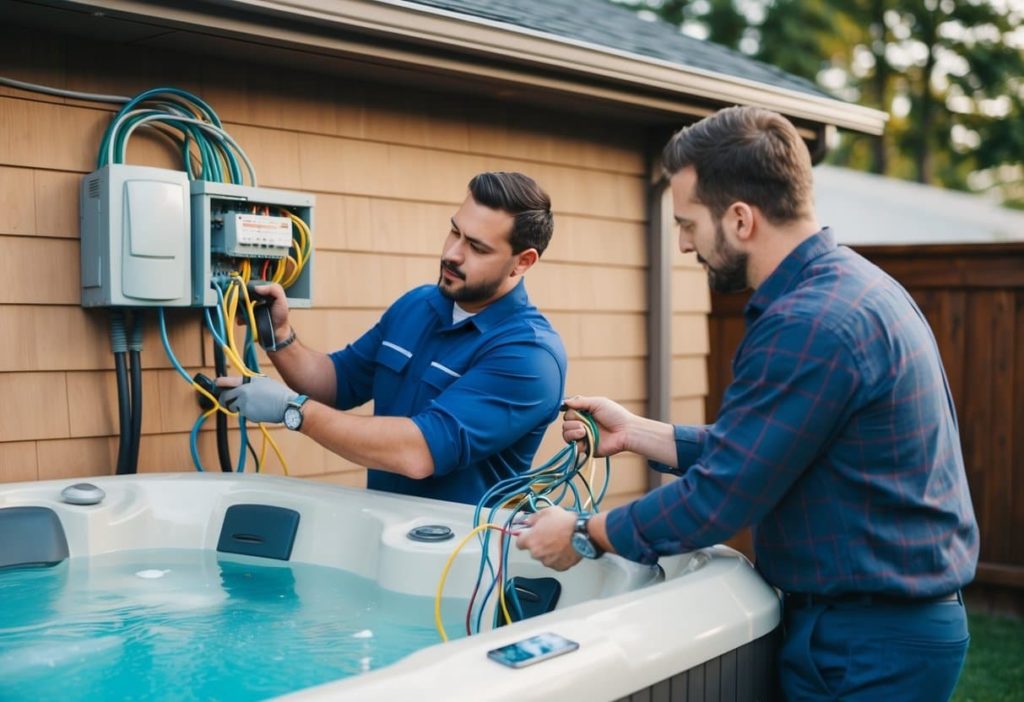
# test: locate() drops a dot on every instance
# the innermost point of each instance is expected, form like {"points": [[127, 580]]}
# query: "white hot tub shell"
{"points": [[699, 620]]}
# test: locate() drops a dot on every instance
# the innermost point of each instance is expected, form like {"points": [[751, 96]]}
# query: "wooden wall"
{"points": [[973, 297], [388, 167]]}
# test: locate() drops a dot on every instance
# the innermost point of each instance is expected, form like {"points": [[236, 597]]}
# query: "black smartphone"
{"points": [[532, 650]]}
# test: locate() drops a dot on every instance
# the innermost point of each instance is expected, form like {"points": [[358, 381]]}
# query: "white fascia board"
{"points": [[512, 46]]}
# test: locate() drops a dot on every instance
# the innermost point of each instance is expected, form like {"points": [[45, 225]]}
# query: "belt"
{"points": [[799, 600]]}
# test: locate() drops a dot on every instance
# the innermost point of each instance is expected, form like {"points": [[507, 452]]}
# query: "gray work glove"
{"points": [[259, 399]]}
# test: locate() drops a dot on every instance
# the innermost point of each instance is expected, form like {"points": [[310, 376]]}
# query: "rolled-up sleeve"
{"points": [[502, 397], [689, 445]]}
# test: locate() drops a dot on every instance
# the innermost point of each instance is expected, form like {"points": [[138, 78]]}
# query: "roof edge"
{"points": [[669, 84]]}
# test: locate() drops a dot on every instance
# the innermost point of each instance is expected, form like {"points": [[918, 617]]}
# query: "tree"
{"points": [[948, 71], [966, 68]]}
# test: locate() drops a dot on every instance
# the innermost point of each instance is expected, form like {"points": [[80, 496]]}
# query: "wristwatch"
{"points": [[293, 413], [581, 541]]}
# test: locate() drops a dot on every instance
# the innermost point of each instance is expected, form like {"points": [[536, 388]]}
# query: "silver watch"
{"points": [[581, 541], [293, 413]]}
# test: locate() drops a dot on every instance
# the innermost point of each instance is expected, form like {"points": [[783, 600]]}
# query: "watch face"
{"points": [[293, 417], [583, 545]]}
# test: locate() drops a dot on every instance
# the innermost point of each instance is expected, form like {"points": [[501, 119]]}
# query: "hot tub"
{"points": [[698, 624]]}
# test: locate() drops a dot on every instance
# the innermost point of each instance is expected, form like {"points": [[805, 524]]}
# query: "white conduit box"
{"points": [[136, 237]]}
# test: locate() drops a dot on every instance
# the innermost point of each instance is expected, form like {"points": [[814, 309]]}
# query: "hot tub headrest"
{"points": [[31, 536], [259, 530]]}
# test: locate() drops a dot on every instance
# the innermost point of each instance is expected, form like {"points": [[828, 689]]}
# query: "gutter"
{"points": [[510, 53]]}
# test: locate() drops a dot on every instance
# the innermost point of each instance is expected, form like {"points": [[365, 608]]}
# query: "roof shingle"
{"points": [[604, 24]]}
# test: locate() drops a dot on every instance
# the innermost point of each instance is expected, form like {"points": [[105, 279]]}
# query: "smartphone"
{"points": [[532, 650]]}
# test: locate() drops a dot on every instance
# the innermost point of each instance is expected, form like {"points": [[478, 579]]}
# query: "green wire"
{"points": [[170, 106]]}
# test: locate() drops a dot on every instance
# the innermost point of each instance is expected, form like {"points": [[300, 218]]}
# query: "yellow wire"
{"points": [[249, 304], [226, 167], [217, 406], [287, 281], [230, 307], [300, 258], [279, 267], [277, 449], [444, 576], [592, 447]]}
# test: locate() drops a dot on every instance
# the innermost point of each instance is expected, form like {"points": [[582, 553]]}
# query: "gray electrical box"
{"points": [[136, 237], [234, 222]]}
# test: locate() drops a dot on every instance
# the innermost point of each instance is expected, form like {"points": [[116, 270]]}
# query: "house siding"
{"points": [[388, 167]]}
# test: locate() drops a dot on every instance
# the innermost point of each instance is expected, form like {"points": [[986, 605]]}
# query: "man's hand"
{"points": [[278, 303], [548, 538], [612, 422], [259, 399]]}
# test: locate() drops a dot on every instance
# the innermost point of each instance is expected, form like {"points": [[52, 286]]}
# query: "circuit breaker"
{"points": [[234, 223], [136, 237]]}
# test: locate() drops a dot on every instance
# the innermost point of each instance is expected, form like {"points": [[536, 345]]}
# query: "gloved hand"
{"points": [[259, 399]]}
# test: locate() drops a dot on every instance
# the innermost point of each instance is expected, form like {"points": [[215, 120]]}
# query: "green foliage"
{"points": [[794, 37], [946, 70]]}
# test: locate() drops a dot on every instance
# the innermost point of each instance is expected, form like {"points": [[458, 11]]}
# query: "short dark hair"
{"points": [[521, 197], [746, 154]]}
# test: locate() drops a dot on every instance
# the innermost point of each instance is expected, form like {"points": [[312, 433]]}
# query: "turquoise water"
{"points": [[197, 625]]}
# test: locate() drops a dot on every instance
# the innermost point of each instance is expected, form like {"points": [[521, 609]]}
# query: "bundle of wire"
{"points": [[210, 153], [547, 485]]}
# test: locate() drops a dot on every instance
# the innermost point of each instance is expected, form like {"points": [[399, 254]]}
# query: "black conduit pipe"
{"points": [[223, 449], [135, 368], [119, 345]]}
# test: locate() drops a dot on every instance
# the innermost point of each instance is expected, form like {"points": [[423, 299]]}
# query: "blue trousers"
{"points": [[873, 652]]}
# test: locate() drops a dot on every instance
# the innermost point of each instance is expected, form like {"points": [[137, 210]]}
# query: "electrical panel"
{"points": [[235, 223], [151, 237], [136, 237]]}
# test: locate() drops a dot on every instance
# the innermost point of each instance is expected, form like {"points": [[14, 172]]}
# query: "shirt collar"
{"points": [[506, 305], [787, 274]]}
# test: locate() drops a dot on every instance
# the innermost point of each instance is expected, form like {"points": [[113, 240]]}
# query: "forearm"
{"points": [[653, 439], [599, 532], [393, 444], [306, 371]]}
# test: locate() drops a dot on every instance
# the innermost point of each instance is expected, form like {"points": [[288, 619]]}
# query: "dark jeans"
{"points": [[873, 651]]}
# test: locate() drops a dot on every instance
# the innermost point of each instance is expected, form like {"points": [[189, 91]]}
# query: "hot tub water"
{"points": [[174, 624]]}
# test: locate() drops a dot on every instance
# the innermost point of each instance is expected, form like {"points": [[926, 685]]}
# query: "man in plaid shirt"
{"points": [[837, 440]]}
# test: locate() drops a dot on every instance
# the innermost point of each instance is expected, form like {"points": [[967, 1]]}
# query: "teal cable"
{"points": [[130, 104], [167, 346], [193, 442]]}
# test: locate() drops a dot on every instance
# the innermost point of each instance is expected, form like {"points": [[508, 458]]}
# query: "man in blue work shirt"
{"points": [[837, 439], [465, 375]]}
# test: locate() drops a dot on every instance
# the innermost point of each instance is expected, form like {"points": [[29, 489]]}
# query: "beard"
{"points": [[471, 293], [729, 275]]}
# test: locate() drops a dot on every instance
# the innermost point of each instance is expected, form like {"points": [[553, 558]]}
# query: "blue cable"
{"points": [[167, 346], [193, 442], [213, 332], [243, 443]]}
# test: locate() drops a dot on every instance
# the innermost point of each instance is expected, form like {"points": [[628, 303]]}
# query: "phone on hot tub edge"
{"points": [[532, 650]]}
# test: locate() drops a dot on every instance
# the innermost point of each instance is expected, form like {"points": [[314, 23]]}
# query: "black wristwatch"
{"points": [[581, 541], [293, 413]]}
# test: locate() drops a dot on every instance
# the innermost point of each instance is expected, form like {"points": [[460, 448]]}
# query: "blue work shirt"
{"points": [[837, 440], [482, 391]]}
